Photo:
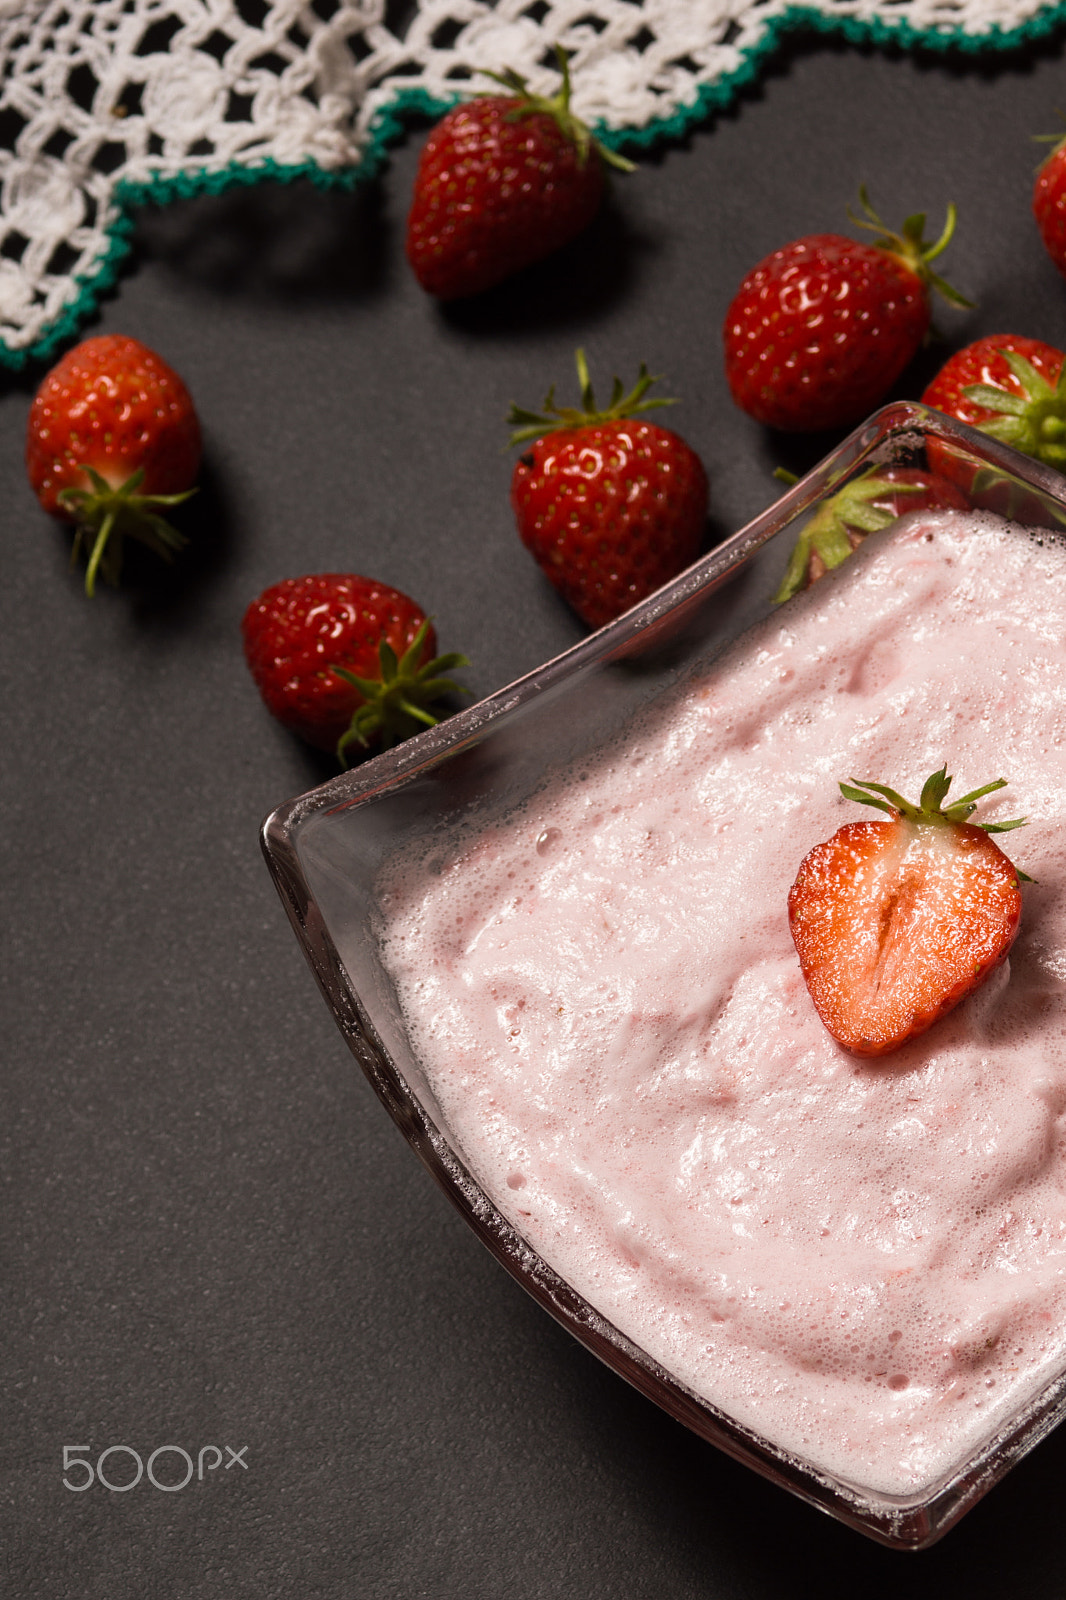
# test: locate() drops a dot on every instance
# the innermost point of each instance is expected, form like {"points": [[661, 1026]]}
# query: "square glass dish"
{"points": [[336, 852]]}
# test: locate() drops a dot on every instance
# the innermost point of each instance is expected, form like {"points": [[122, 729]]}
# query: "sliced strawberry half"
{"points": [[896, 922]]}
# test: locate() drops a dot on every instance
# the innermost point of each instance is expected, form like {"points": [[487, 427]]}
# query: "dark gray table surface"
{"points": [[212, 1233]]}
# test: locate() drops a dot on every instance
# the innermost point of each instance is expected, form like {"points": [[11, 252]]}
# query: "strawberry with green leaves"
{"points": [[897, 922], [112, 442], [864, 506], [1010, 387], [820, 330], [503, 181], [610, 506], [345, 662]]}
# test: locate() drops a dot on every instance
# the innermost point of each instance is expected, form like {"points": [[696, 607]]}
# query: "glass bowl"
{"points": [[330, 850]]}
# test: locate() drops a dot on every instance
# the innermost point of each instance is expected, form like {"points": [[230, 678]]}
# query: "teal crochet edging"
{"points": [[900, 35], [92, 286], [390, 122]]}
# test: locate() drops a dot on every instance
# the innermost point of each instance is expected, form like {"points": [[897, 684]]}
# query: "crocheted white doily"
{"points": [[108, 103]]}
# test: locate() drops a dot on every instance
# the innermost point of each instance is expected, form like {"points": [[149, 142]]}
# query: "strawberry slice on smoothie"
{"points": [[896, 922]]}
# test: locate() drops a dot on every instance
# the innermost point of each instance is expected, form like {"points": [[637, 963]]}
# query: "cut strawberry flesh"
{"points": [[896, 923]]}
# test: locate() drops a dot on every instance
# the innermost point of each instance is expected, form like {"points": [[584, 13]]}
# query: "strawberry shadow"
{"points": [[1005, 1012], [716, 530], [577, 286], [319, 765], [160, 589], [798, 453], [26, 380], [275, 241]]}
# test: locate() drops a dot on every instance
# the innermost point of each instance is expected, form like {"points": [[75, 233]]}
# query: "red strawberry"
{"points": [[819, 332], [865, 505], [1049, 204], [112, 438], [896, 922], [610, 507], [1011, 388], [502, 182], [343, 660]]}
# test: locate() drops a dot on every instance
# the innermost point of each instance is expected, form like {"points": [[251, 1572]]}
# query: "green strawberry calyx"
{"points": [[106, 514], [396, 704], [839, 526], [557, 106], [1034, 421], [1055, 140], [910, 246], [555, 418], [930, 808]]}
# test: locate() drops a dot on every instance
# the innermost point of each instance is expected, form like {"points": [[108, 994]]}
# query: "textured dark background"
{"points": [[212, 1233]]}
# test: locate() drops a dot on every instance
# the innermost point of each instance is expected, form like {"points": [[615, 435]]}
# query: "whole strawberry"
{"points": [[896, 922], [1049, 204], [611, 506], [112, 440], [1010, 387], [864, 506], [503, 181], [819, 332], [343, 661]]}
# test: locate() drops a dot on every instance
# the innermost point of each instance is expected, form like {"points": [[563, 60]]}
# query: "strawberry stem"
{"points": [[839, 526], [557, 107], [555, 418], [107, 515], [930, 808], [1056, 140], [99, 546], [395, 705], [910, 247], [1034, 421]]}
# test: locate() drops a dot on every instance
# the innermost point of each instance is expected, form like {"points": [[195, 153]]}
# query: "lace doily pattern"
{"points": [[110, 103]]}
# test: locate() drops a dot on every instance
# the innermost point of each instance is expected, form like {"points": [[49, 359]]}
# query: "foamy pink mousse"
{"points": [[863, 1261]]}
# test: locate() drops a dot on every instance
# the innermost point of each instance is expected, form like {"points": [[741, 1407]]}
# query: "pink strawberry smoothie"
{"points": [[864, 1261]]}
